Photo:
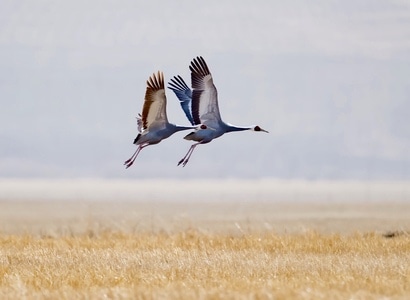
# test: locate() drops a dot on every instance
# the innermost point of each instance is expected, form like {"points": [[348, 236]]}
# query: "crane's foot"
{"points": [[183, 162], [128, 164]]}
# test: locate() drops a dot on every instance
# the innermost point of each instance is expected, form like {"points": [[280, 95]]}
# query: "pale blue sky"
{"points": [[329, 80]]}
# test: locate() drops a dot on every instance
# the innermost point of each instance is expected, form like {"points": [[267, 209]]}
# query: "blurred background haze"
{"points": [[330, 80]]}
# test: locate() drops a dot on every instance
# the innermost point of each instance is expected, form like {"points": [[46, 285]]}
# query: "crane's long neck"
{"points": [[181, 128], [231, 128]]}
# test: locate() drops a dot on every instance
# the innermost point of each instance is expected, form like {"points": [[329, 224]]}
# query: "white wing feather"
{"points": [[205, 107], [154, 110]]}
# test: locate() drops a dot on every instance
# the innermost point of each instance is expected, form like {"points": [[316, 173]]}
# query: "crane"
{"points": [[153, 125], [201, 106]]}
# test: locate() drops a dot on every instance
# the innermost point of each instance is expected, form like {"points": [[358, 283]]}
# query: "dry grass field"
{"points": [[204, 250], [193, 265]]}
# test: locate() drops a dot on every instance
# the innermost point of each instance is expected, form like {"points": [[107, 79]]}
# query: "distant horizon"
{"points": [[191, 190]]}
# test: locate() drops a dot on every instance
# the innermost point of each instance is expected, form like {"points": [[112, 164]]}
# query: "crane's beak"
{"points": [[264, 130]]}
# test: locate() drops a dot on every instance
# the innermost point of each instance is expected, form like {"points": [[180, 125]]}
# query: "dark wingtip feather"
{"points": [[177, 84], [199, 70], [199, 66], [156, 81]]}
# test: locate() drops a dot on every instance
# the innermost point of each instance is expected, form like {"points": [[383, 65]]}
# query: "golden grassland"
{"points": [[205, 250], [191, 264]]}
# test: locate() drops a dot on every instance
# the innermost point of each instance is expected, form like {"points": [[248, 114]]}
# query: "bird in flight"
{"points": [[201, 106], [153, 125]]}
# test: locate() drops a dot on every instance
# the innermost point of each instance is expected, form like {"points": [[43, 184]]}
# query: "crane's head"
{"points": [[258, 128]]}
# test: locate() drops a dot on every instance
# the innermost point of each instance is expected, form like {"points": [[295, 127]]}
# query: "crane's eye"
{"points": [[203, 126], [257, 128]]}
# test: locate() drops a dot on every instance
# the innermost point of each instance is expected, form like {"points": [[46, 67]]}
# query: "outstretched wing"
{"points": [[205, 108], [154, 110], [184, 94]]}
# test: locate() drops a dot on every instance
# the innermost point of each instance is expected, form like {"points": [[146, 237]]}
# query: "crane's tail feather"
{"points": [[137, 138], [190, 136]]}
